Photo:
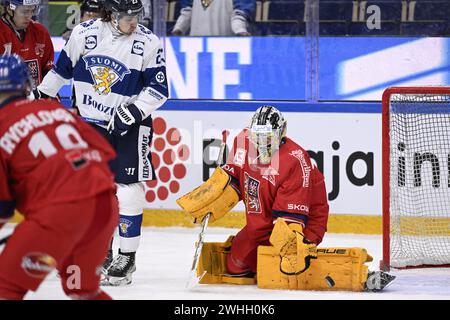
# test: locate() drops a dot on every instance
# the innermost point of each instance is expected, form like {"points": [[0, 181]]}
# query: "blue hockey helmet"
{"points": [[14, 74]]}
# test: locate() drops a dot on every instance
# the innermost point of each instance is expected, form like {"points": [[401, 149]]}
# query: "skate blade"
{"points": [[104, 283], [379, 281], [117, 282]]}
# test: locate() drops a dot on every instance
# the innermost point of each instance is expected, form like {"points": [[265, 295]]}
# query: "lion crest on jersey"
{"points": [[251, 197], [206, 3], [105, 72]]}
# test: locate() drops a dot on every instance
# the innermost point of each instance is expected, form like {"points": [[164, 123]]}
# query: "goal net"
{"points": [[416, 180]]}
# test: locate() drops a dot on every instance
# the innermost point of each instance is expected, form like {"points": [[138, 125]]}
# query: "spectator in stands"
{"points": [[146, 17], [89, 9], [215, 18]]}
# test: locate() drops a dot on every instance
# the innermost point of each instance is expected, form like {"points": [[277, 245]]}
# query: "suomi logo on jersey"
{"points": [[105, 72]]}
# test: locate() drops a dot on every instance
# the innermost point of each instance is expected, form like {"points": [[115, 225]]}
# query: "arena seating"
{"points": [[348, 17]]}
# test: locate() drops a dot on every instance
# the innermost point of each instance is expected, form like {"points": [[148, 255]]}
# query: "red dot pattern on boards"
{"points": [[164, 174], [163, 193], [159, 125], [167, 151], [173, 136], [169, 156]]}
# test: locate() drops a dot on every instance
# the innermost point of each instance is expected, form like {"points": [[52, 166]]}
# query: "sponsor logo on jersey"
{"points": [[105, 72], [298, 207], [38, 265], [146, 31], [137, 48], [306, 168], [155, 94], [251, 194], [89, 101], [39, 49], [79, 159], [87, 23], [90, 42], [160, 77], [145, 150], [124, 225], [228, 168]]}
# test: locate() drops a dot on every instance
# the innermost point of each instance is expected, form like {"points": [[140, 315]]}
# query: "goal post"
{"points": [[416, 178]]}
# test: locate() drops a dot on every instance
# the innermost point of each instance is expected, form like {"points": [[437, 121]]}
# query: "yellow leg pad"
{"points": [[334, 269], [213, 261]]}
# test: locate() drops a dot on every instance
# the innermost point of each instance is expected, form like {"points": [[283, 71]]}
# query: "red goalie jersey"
{"points": [[48, 156], [290, 187], [35, 48]]}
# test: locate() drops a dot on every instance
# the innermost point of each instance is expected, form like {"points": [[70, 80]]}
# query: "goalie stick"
{"points": [[193, 278]]}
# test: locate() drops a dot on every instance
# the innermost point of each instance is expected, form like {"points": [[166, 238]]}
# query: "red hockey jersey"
{"points": [[47, 156], [290, 187], [36, 48]]}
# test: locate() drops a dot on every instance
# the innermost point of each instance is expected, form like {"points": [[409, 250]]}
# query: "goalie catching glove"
{"points": [[124, 117], [215, 196], [295, 251]]}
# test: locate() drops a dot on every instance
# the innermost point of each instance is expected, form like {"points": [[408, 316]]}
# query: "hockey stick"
{"points": [[193, 278], [95, 121]]}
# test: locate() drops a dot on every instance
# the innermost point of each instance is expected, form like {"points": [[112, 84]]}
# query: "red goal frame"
{"points": [[386, 259]]}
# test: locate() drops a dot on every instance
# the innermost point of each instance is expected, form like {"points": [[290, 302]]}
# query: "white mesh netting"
{"points": [[419, 179]]}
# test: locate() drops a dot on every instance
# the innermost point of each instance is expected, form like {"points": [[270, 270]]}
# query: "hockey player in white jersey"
{"points": [[119, 73]]}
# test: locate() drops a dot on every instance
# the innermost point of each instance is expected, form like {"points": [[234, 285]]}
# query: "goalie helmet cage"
{"points": [[416, 177]]}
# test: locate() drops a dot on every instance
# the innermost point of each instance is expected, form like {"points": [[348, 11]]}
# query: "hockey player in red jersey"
{"points": [[286, 210], [29, 39], [54, 171], [275, 178]]}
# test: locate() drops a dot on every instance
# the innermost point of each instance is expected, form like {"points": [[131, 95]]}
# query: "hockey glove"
{"points": [[124, 117], [37, 94], [295, 251]]}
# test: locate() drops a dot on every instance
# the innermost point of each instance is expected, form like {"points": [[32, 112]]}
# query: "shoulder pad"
{"points": [[144, 30], [86, 27], [146, 33], [88, 23]]}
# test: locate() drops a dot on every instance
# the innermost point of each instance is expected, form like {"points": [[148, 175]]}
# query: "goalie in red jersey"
{"points": [[29, 39], [286, 210], [275, 178], [54, 171]]}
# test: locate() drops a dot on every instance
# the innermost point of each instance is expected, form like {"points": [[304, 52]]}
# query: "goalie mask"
{"points": [[267, 129]]}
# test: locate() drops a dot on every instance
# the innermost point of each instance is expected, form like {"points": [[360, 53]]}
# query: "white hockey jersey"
{"points": [[110, 69]]}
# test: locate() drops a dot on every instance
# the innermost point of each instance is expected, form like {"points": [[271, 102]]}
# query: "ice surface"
{"points": [[165, 256]]}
